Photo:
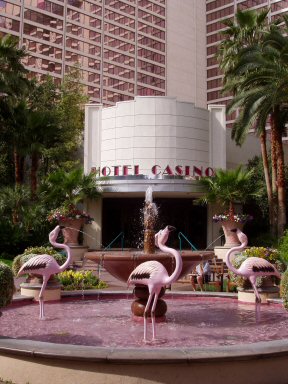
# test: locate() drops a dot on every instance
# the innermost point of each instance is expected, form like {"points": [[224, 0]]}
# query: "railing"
{"points": [[214, 241], [180, 235], [121, 234]]}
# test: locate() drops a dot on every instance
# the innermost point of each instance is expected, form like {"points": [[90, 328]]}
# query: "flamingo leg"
{"points": [[153, 315], [41, 298], [253, 283], [146, 314]]}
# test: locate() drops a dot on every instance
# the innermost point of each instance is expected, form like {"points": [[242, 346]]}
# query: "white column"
{"points": [[217, 136], [93, 231], [217, 159], [92, 158], [92, 136]]}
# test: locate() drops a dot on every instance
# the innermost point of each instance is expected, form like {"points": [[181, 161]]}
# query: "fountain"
{"points": [[120, 264], [93, 338]]}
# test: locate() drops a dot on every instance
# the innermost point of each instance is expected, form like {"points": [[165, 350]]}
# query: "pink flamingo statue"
{"points": [[252, 267], [155, 276], [46, 266]]}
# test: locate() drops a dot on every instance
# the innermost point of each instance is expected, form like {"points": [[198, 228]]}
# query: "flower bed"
{"points": [[68, 213], [72, 280], [237, 218]]}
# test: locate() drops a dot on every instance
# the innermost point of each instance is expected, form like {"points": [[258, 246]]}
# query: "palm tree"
{"points": [[247, 28], [12, 71], [13, 85], [13, 203], [263, 97], [256, 73], [228, 187], [70, 188]]}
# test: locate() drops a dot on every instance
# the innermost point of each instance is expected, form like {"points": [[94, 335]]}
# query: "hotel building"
{"points": [[124, 47], [149, 74]]}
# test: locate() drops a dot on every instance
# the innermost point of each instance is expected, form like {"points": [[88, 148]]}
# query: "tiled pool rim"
{"points": [[29, 361]]}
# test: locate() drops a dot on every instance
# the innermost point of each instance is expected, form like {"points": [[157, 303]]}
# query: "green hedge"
{"points": [[284, 289], [6, 285]]}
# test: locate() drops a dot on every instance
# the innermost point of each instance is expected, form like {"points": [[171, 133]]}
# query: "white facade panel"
{"points": [[123, 155], [185, 155], [106, 156], [165, 106], [125, 121], [165, 130], [162, 153], [192, 144], [193, 133], [145, 106], [108, 123], [165, 120], [108, 134], [144, 120], [155, 139], [144, 142], [123, 132], [144, 153], [124, 143], [125, 108], [145, 130], [189, 121], [165, 142], [108, 113], [108, 145]]}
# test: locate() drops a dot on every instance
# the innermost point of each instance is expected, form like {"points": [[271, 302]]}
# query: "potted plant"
{"points": [[67, 192], [226, 188]]}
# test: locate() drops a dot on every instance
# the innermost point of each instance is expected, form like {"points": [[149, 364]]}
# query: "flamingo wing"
{"points": [[147, 271], [37, 263], [257, 264]]}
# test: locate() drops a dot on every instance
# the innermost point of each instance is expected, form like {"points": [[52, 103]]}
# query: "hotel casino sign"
{"points": [[156, 170]]}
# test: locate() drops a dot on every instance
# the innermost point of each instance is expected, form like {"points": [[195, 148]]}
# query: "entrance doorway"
{"points": [[125, 215]]}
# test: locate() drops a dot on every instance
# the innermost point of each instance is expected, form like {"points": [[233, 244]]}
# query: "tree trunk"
{"points": [[274, 171], [231, 211], [18, 167], [280, 178], [273, 229], [33, 175]]}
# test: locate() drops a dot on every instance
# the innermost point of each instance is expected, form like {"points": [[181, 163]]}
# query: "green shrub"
{"points": [[284, 289], [6, 285], [283, 247], [72, 280], [34, 251]]}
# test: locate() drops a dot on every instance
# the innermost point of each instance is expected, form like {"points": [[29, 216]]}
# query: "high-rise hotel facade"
{"points": [[216, 12], [124, 47]]}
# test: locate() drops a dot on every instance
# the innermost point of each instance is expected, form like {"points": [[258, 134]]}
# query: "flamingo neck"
{"points": [[178, 262], [230, 253], [69, 256]]}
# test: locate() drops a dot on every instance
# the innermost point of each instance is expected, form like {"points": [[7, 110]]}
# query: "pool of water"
{"points": [[190, 322]]}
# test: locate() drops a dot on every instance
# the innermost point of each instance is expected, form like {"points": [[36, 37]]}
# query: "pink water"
{"points": [[190, 322]]}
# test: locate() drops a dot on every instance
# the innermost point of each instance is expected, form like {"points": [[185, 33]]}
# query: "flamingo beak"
{"points": [[171, 228]]}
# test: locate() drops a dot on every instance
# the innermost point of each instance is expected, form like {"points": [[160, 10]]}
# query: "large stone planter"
{"points": [[267, 290], [231, 238], [33, 284], [72, 230]]}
